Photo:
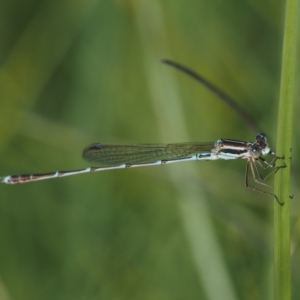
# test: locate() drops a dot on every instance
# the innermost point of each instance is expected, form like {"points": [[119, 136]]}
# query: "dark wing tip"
{"points": [[96, 146], [89, 149]]}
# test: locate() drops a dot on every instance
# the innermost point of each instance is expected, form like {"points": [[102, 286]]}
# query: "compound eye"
{"points": [[261, 139], [261, 135]]}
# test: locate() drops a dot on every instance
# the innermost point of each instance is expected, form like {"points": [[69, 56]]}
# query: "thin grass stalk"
{"points": [[282, 268]]}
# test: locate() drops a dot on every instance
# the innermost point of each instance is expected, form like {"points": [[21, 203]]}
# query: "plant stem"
{"points": [[282, 269]]}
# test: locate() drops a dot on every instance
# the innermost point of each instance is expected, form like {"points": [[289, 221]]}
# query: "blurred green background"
{"points": [[77, 72]]}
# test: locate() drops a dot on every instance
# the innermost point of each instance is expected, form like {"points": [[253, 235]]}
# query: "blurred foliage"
{"points": [[77, 72]]}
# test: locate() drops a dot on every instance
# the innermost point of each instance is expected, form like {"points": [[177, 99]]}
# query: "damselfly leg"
{"points": [[258, 177]]}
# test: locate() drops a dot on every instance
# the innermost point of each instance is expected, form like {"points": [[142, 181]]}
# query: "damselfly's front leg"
{"points": [[257, 177]]}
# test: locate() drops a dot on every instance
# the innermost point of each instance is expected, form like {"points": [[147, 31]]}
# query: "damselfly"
{"points": [[118, 156]]}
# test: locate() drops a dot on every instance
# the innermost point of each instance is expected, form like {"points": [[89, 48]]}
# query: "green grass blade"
{"points": [[282, 269]]}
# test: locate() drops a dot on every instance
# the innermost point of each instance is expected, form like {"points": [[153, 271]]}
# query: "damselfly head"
{"points": [[261, 140], [262, 143]]}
